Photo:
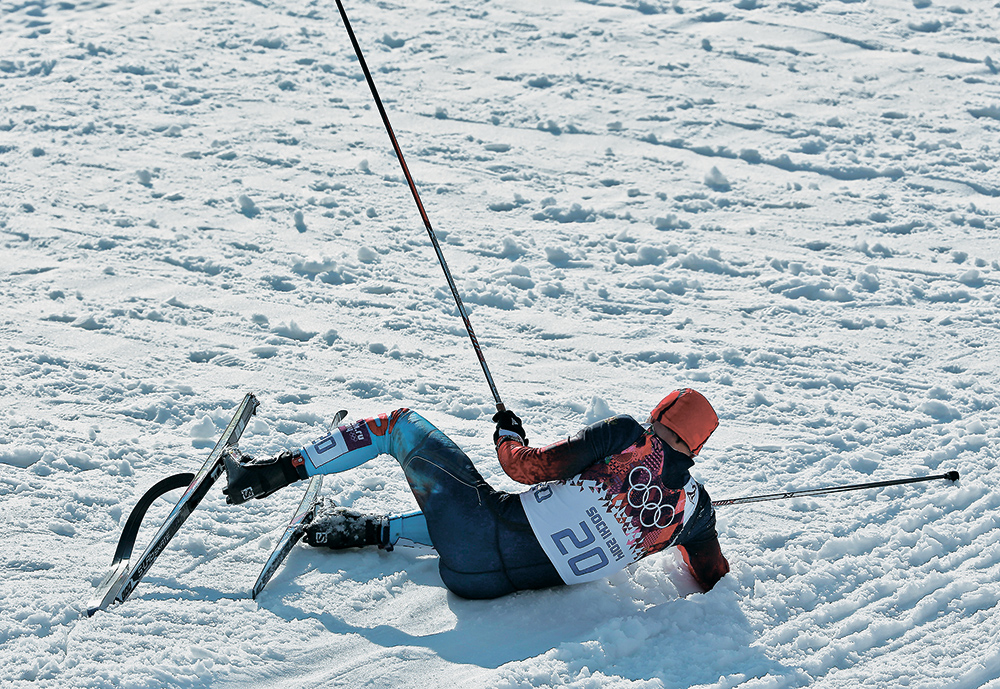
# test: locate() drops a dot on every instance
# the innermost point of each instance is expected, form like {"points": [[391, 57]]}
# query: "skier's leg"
{"points": [[344, 448], [412, 527], [350, 446], [485, 544]]}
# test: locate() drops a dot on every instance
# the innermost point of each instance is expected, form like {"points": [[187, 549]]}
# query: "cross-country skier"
{"points": [[612, 494]]}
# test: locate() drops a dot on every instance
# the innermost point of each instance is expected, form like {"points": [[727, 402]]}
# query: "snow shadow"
{"points": [[606, 626]]}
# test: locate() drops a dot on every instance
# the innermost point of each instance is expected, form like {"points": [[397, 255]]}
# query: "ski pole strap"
{"points": [[134, 521], [951, 476]]}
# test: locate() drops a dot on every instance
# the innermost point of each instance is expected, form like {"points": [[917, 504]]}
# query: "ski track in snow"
{"points": [[791, 205]]}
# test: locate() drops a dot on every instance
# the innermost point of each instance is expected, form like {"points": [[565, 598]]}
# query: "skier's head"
{"points": [[689, 415]]}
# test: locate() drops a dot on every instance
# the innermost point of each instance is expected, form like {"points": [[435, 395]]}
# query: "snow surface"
{"points": [[791, 205]]}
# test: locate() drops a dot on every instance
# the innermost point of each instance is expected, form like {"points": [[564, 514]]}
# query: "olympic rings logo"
{"points": [[648, 499]]}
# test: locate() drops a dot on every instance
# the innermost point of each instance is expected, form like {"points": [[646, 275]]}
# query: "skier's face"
{"points": [[671, 438]]}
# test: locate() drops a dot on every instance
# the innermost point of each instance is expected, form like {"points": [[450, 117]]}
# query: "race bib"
{"points": [[581, 537], [341, 441]]}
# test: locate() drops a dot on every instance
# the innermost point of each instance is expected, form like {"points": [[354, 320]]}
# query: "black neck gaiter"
{"points": [[675, 467]]}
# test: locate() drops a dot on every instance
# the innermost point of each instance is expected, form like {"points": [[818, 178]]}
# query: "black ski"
{"points": [[293, 532], [119, 583], [296, 526]]}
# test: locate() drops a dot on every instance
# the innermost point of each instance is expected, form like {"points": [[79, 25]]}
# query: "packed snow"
{"points": [[790, 205]]}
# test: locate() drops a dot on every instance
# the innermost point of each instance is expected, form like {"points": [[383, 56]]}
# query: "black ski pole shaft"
{"points": [[420, 207], [951, 476]]}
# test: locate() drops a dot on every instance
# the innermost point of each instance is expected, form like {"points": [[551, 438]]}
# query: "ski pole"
{"points": [[420, 207], [951, 476]]}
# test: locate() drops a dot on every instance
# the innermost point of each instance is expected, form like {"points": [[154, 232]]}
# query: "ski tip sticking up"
{"points": [[115, 578], [119, 583], [302, 516]]}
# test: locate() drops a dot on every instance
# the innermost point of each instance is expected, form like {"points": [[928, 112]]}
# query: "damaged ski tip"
{"points": [[952, 476]]}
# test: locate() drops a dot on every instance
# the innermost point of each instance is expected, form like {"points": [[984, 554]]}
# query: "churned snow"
{"points": [[790, 205]]}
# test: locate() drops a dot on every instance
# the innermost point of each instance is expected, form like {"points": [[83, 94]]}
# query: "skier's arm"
{"points": [[566, 458], [532, 465], [699, 545], [706, 562]]}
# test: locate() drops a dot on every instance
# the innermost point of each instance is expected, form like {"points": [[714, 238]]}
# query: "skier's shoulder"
{"points": [[612, 434], [621, 423]]}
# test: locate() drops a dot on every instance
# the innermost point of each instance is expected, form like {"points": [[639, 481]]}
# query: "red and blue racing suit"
{"points": [[604, 498]]}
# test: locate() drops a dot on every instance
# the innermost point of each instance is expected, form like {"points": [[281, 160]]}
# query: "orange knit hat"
{"points": [[688, 414]]}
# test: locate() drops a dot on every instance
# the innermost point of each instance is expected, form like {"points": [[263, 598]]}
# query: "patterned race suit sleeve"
{"points": [[699, 546], [566, 458]]}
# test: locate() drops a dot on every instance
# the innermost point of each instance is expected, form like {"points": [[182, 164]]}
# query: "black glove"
{"points": [[507, 420]]}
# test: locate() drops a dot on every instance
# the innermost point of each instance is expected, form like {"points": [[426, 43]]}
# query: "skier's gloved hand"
{"points": [[257, 478], [508, 424]]}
